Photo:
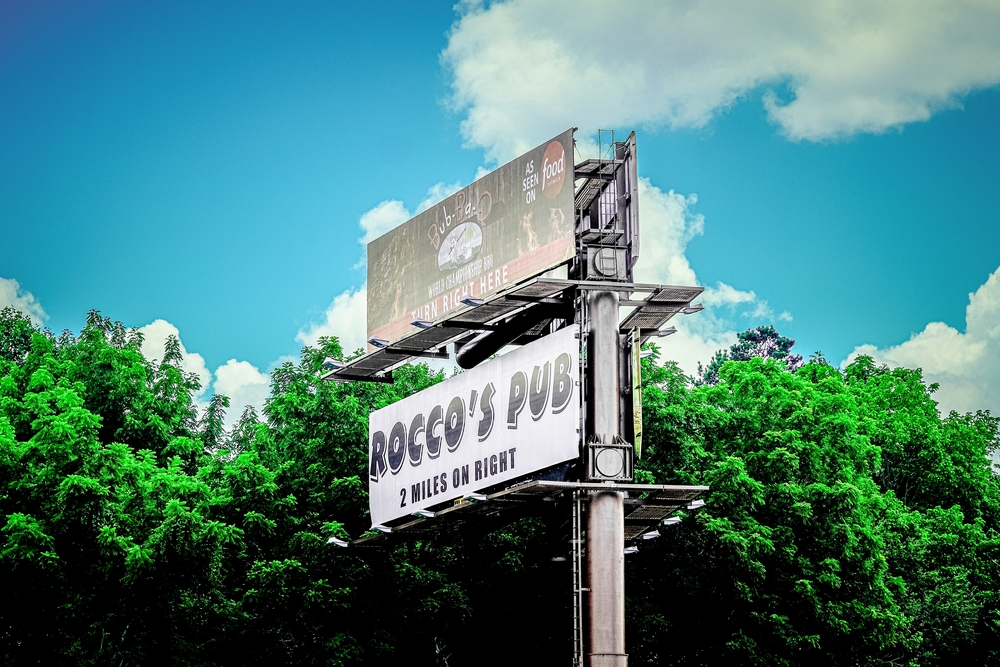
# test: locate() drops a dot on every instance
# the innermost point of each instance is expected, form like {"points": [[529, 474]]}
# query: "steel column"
{"points": [[606, 513]]}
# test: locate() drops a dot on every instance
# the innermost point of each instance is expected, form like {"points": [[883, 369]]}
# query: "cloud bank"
{"points": [[967, 365], [241, 381], [346, 318], [11, 294], [244, 385], [525, 69], [154, 345]]}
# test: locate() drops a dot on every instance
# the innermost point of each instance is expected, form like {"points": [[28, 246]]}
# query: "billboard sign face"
{"points": [[501, 420], [511, 224]]}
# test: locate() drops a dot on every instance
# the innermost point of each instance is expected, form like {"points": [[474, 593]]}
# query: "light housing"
{"points": [[337, 542], [472, 302], [666, 332], [631, 550], [421, 324], [378, 342], [694, 308], [331, 364], [651, 535]]}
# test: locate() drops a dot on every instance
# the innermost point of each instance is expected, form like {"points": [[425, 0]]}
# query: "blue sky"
{"points": [[212, 168]]}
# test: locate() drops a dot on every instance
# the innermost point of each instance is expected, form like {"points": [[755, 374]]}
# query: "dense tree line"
{"points": [[848, 523]]}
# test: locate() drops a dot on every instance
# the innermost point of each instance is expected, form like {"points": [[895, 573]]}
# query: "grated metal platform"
{"points": [[648, 315], [646, 505]]}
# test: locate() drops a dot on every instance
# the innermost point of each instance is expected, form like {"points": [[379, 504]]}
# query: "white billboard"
{"points": [[501, 420]]}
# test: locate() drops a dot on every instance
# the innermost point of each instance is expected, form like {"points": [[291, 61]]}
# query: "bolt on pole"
{"points": [[606, 515]]}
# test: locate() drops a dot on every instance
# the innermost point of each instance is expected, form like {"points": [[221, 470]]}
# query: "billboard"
{"points": [[511, 224], [501, 420]]}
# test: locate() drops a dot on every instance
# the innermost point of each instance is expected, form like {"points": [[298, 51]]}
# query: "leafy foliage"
{"points": [[762, 342], [848, 522]]}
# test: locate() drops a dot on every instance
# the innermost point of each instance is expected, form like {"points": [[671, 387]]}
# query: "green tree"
{"points": [[761, 342]]}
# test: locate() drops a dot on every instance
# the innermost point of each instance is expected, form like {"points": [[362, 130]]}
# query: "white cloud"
{"points": [[346, 318], [436, 193], [11, 294], [239, 380], [391, 213], [761, 310], [244, 385], [667, 225], [723, 294], [384, 217], [525, 69], [785, 316], [966, 365], [154, 344]]}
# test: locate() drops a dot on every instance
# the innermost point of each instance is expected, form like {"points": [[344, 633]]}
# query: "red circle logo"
{"points": [[553, 169]]}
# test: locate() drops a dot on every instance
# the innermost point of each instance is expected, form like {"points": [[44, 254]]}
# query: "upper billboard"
{"points": [[511, 224]]}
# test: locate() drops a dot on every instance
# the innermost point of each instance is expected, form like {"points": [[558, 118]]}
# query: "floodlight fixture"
{"points": [[696, 504], [645, 354], [424, 514], [331, 364], [472, 302], [421, 324], [334, 541], [382, 529], [693, 309], [631, 550], [478, 497], [558, 559], [378, 342], [651, 535], [672, 521], [666, 332]]}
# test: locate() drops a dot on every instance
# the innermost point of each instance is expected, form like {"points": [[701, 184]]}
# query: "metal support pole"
{"points": [[606, 574], [578, 587], [606, 515]]}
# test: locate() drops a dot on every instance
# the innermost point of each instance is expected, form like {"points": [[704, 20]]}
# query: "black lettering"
{"points": [[435, 486], [512, 450], [415, 492], [562, 384], [415, 449], [402, 497], [538, 392], [455, 478], [432, 438], [472, 403], [454, 423], [378, 466], [486, 405], [465, 474], [397, 447], [479, 470], [444, 482], [503, 461], [516, 399], [493, 464]]}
